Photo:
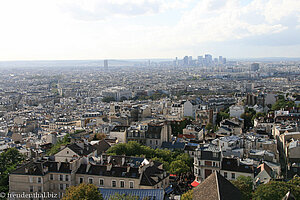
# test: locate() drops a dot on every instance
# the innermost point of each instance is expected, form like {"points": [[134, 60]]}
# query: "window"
{"points": [[122, 184], [131, 184], [156, 142], [233, 175], [67, 185], [80, 180], [31, 188], [225, 174], [61, 186], [61, 177], [114, 183], [39, 180], [150, 141], [51, 176], [39, 189], [67, 177], [91, 180], [101, 182], [30, 179], [67, 152]]}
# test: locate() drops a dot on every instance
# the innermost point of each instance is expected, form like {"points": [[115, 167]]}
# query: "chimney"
{"points": [[45, 169], [26, 170], [88, 167], [101, 159], [58, 165], [128, 168], [123, 160], [108, 167]]}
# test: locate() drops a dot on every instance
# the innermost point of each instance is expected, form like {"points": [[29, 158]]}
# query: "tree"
{"points": [[221, 116], [8, 162], [245, 185], [275, 190], [83, 191], [118, 196], [179, 167], [108, 99], [188, 195]]}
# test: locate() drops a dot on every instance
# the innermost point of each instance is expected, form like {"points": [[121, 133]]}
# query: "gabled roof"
{"points": [[81, 151], [216, 187]]}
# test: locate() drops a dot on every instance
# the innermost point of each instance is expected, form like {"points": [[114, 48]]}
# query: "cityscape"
{"points": [[150, 100]]}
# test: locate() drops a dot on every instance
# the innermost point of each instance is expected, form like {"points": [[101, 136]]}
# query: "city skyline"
{"points": [[79, 30]]}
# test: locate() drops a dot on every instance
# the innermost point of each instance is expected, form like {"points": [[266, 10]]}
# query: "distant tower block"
{"points": [[106, 64]]}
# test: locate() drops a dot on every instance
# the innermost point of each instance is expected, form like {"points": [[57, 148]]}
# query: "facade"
{"points": [[117, 172], [206, 161]]}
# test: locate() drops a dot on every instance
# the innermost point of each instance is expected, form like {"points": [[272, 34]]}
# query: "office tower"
{"points": [[224, 61], [186, 61], [208, 59], [254, 67], [220, 60], [200, 60], [105, 64], [190, 60]]}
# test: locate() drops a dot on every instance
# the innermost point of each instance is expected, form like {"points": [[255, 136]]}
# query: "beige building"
{"points": [[118, 172]]}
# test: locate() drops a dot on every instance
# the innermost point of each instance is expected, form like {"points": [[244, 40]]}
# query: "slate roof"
{"points": [[152, 194], [81, 151], [36, 168], [171, 145], [216, 187], [231, 164], [101, 170], [149, 175]]}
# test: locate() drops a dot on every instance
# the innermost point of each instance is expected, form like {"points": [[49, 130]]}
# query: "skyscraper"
{"points": [[185, 60], [208, 59], [105, 64]]}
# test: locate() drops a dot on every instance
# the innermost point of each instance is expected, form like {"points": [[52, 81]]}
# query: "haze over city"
{"points": [[124, 29]]}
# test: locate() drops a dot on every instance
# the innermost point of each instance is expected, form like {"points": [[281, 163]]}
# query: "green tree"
{"points": [[108, 99], [221, 116], [56, 148], [8, 162], [275, 190], [282, 103], [118, 196], [188, 195], [245, 185], [179, 167], [84, 192]]}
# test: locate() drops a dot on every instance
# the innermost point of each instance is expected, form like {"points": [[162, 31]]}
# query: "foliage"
{"points": [[282, 103], [257, 115], [177, 127], [83, 191], [108, 99], [8, 162], [188, 195], [167, 157], [276, 190], [179, 167], [221, 116], [56, 148], [248, 116], [118, 196], [245, 185], [99, 136]]}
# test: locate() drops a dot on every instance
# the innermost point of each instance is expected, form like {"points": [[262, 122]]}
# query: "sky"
{"points": [[134, 29]]}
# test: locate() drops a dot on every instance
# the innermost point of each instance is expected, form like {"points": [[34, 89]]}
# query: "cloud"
{"points": [[103, 9]]}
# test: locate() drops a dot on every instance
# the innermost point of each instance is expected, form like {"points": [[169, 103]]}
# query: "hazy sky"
{"points": [[99, 29]]}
